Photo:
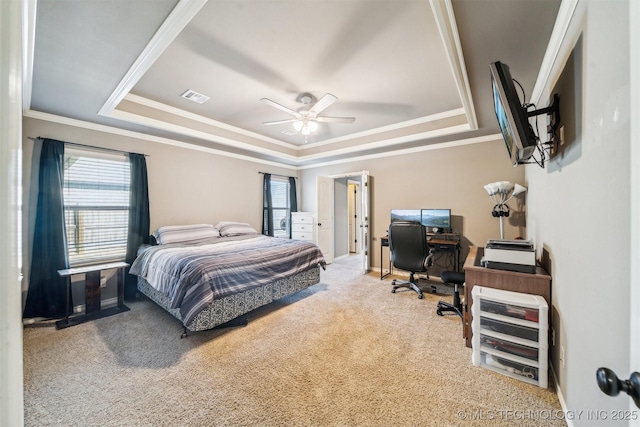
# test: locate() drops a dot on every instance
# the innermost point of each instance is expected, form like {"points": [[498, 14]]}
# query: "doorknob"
{"points": [[319, 224], [611, 385]]}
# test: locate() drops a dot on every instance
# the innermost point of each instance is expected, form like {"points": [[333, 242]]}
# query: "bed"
{"points": [[207, 276]]}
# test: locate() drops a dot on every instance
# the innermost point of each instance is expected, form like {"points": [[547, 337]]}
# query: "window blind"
{"points": [[281, 206], [96, 206]]}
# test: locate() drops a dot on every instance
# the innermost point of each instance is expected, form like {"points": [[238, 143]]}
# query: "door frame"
{"points": [[365, 236], [357, 211], [12, 16], [634, 253]]}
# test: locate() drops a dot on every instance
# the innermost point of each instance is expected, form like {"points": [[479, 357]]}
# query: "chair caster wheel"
{"points": [[420, 296], [439, 312], [393, 291]]}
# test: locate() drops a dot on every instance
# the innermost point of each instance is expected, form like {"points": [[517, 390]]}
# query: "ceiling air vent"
{"points": [[194, 96]]}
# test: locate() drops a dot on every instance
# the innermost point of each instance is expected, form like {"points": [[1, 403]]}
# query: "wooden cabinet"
{"points": [[303, 226], [476, 275]]}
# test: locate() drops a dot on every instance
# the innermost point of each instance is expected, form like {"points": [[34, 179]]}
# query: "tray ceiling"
{"points": [[412, 72]]}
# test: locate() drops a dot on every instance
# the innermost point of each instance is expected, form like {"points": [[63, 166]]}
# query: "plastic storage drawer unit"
{"points": [[510, 334]]}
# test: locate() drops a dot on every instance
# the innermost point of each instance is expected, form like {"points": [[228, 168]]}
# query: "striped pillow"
{"points": [[228, 228], [186, 234]]}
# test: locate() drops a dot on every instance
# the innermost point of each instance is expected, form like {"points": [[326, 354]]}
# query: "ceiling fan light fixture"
{"points": [[305, 127], [306, 119]]}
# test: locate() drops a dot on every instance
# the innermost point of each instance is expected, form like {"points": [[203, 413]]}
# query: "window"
{"points": [[281, 206], [96, 206]]}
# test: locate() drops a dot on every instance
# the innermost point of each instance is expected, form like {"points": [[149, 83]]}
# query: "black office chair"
{"points": [[410, 252], [457, 280]]}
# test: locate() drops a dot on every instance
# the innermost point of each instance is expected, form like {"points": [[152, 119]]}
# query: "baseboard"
{"points": [[563, 404]]}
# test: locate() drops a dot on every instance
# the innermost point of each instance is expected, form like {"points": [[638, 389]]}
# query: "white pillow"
{"points": [[230, 228], [188, 234]]}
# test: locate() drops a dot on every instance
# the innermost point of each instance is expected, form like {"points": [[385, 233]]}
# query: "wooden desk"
{"points": [[535, 284], [92, 294], [446, 242], [449, 242]]}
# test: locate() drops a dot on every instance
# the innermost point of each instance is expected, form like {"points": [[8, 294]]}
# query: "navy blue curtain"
{"points": [[47, 294], [138, 218], [267, 209], [293, 199]]}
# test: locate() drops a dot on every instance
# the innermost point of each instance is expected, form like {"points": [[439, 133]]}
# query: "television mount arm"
{"points": [[552, 110]]}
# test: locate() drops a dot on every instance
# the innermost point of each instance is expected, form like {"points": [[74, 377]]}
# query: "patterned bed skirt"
{"points": [[228, 308]]}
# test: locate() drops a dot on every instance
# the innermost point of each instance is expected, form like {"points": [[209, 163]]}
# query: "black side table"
{"points": [[92, 294]]}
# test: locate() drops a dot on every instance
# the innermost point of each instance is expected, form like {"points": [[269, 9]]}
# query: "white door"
{"points": [[365, 237], [354, 203], [324, 205]]}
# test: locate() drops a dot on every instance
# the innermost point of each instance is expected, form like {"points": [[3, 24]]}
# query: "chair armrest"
{"points": [[428, 261]]}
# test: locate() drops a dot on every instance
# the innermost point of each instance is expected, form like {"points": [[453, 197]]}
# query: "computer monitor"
{"points": [[439, 219], [405, 215]]}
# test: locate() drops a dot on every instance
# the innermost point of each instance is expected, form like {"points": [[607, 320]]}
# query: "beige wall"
{"points": [[442, 178], [580, 212], [185, 186], [189, 186]]}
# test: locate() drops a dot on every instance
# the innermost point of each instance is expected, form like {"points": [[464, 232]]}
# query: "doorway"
{"points": [[343, 216]]}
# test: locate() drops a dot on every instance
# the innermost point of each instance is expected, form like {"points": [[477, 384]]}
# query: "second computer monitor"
{"points": [[436, 219], [405, 215]]}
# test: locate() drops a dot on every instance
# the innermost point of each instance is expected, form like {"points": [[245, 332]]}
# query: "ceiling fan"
{"points": [[306, 119]]}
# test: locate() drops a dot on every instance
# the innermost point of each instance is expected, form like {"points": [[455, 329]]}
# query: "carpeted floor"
{"points": [[345, 352]]}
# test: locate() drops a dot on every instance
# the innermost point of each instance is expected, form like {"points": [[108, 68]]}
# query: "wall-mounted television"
{"points": [[436, 218], [405, 215], [519, 137]]}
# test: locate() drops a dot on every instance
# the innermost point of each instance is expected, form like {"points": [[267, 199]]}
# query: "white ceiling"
{"points": [[411, 72]]}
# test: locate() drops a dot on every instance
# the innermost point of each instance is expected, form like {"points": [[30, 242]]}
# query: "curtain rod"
{"points": [[275, 174], [92, 147]]}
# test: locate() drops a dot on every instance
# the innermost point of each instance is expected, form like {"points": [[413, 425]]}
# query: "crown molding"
{"points": [[446, 22], [179, 17], [551, 56], [146, 137], [386, 143], [406, 151], [206, 120], [180, 144], [395, 126]]}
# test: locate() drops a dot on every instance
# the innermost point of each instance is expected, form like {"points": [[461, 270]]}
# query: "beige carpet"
{"points": [[345, 352]]}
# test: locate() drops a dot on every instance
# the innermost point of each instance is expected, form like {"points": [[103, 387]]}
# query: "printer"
{"points": [[511, 255]]}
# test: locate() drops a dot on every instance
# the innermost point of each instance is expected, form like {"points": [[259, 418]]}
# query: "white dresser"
{"points": [[303, 226]]}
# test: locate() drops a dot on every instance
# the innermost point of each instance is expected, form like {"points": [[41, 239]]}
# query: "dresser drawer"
{"points": [[305, 228], [301, 219], [302, 235]]}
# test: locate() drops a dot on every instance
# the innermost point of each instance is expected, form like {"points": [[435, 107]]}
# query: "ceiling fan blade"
{"points": [[336, 119], [281, 107], [280, 122], [323, 103]]}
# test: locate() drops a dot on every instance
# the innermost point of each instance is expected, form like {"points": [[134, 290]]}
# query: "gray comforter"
{"points": [[193, 276]]}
